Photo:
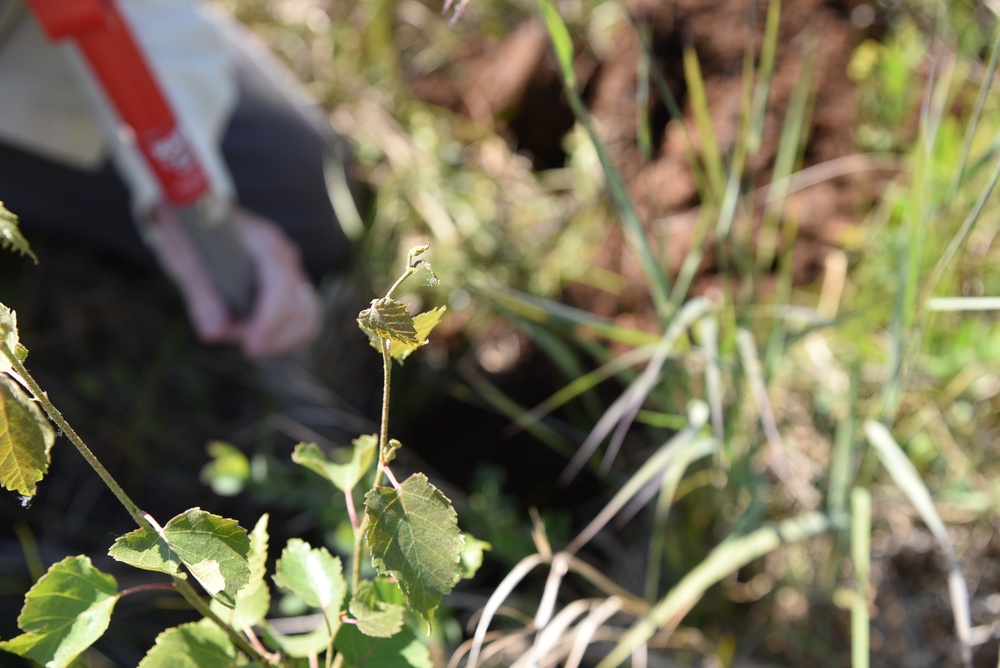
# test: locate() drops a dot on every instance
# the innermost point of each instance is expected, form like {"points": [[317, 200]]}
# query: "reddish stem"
{"points": [[138, 589]]}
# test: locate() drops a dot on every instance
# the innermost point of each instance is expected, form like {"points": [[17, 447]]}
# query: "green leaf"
{"points": [[472, 555], [560, 41], [25, 439], [8, 332], [351, 463], [403, 650], [388, 319], [301, 645], [201, 644], [414, 536], [375, 617], [10, 234], [145, 549], [315, 576], [254, 600], [64, 613], [423, 324], [212, 548], [229, 470]]}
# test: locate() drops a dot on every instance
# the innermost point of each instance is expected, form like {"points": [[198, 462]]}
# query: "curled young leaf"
{"points": [[388, 319], [10, 234], [423, 324]]}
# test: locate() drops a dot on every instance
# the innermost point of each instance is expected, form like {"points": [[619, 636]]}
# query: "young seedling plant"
{"points": [[409, 529]]}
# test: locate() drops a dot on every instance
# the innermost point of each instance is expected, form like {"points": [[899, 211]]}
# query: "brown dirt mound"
{"points": [[514, 87]]}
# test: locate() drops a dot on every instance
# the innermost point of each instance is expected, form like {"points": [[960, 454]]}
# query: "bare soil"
{"points": [[514, 87]]}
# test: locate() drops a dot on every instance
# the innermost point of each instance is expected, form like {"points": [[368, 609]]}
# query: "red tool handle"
{"points": [[105, 40], [116, 60]]}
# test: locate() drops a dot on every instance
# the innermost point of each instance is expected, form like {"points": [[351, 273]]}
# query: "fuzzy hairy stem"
{"points": [[56, 416], [383, 445]]}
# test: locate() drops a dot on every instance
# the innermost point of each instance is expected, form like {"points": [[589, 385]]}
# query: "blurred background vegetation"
{"points": [[728, 263]]}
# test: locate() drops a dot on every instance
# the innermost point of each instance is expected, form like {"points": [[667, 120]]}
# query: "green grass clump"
{"points": [[764, 444]]}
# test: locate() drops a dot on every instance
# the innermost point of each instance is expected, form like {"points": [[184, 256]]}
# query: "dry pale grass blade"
{"points": [[684, 447], [546, 607], [582, 384], [708, 335], [952, 304], [502, 644], [499, 595], [622, 412], [835, 168], [908, 479], [550, 637], [586, 630]]}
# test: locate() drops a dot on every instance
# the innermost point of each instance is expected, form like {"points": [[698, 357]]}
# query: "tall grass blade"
{"points": [[790, 146], [861, 528], [623, 410], [561, 316], [769, 49], [692, 261], [910, 251], [974, 118], [643, 132], [758, 388], [668, 492], [753, 112], [659, 286], [963, 232], [674, 109], [733, 554], [710, 152], [584, 383], [906, 477], [683, 448], [707, 331]]}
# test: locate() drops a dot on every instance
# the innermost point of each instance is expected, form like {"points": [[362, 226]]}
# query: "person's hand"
{"points": [[286, 311]]}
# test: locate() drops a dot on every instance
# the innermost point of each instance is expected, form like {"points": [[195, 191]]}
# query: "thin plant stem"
{"points": [[191, 596], [383, 444], [56, 416], [329, 644], [138, 589], [359, 541], [383, 436], [352, 512]]}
